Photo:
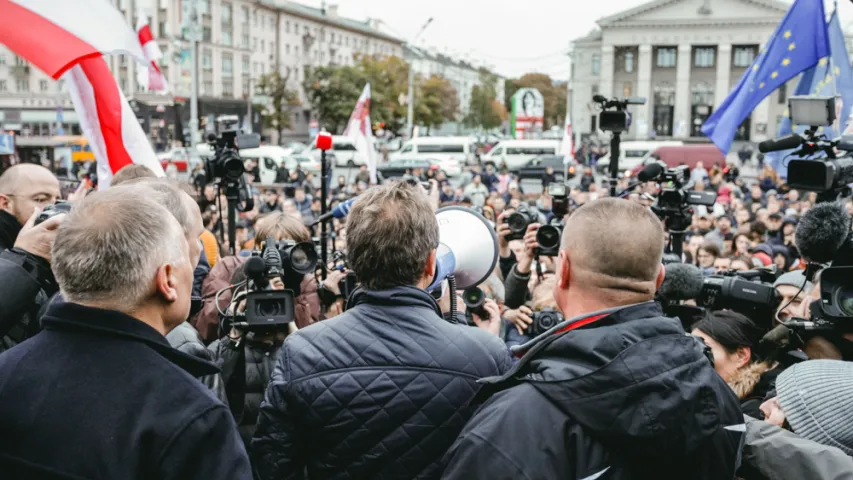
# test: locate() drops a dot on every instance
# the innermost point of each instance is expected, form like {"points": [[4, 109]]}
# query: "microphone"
{"points": [[341, 210], [599, 98], [254, 268], [785, 143], [681, 282], [650, 172], [822, 231]]}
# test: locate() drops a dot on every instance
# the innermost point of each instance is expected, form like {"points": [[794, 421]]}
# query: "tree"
{"points": [[553, 94], [278, 114], [436, 101], [389, 81], [333, 92], [485, 110]]}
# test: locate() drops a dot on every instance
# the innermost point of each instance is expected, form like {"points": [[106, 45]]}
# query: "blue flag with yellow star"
{"points": [[831, 76], [798, 43]]}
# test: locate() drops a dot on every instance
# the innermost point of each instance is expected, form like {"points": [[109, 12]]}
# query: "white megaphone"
{"points": [[467, 249]]}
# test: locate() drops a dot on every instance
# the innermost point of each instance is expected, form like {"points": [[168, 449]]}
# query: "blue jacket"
{"points": [[378, 392]]}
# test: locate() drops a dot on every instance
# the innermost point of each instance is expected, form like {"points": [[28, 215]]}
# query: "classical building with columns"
{"points": [[683, 56]]}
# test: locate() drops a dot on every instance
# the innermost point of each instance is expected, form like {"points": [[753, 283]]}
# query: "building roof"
{"points": [[777, 5], [592, 36], [442, 58], [317, 15]]}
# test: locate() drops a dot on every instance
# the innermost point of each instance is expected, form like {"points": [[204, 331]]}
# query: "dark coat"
{"points": [[628, 395], [99, 394], [379, 392]]}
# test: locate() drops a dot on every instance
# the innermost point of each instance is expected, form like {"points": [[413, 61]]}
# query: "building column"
{"points": [[761, 121], [681, 122], [642, 117], [606, 71], [724, 73]]}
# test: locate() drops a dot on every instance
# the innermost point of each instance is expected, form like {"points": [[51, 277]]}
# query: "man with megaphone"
{"points": [[383, 389], [617, 390]]}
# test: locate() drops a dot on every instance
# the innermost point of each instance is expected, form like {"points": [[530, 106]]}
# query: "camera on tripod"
{"points": [[286, 260], [226, 162], [749, 292], [613, 116]]}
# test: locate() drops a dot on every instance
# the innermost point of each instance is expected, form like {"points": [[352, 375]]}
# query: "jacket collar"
{"points": [[9, 229], [74, 317], [401, 296]]}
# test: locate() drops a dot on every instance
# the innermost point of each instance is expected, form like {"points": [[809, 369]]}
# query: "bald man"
{"points": [[26, 280], [618, 391]]}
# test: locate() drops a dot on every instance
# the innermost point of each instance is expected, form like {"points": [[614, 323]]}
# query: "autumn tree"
{"points": [[333, 91], [553, 94], [277, 113], [436, 102], [485, 109]]}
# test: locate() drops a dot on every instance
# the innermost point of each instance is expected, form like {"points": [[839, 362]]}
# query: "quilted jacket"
{"points": [[378, 392]]}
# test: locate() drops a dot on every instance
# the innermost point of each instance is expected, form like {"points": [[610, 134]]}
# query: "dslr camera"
{"points": [[543, 321], [519, 220], [548, 236], [284, 259], [53, 210], [475, 301]]}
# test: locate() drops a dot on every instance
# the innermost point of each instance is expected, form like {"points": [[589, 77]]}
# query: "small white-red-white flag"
{"points": [[567, 148], [67, 39], [359, 129], [152, 77]]}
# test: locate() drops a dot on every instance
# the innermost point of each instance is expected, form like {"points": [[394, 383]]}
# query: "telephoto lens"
{"points": [[518, 222], [548, 238], [475, 302]]}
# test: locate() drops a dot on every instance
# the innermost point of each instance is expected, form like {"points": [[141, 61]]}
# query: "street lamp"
{"points": [[410, 118]]}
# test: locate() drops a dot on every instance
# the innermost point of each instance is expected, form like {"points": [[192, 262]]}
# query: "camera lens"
{"points": [[517, 222], [232, 167], [845, 300], [302, 258], [548, 237], [547, 320], [268, 308], [473, 297]]}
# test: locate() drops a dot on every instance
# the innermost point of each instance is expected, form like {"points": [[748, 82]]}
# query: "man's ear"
{"points": [[564, 267], [661, 276], [430, 267], [167, 283], [4, 202]]}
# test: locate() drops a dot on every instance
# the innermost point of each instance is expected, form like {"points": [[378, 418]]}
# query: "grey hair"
{"points": [[164, 192], [109, 248], [391, 231]]}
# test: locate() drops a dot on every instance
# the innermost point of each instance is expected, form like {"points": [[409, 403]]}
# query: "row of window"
{"points": [[701, 93], [667, 57], [23, 85]]}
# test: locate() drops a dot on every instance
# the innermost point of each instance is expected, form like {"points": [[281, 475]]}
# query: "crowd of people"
{"points": [[127, 351]]}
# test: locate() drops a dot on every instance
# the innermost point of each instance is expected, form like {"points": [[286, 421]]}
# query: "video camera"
{"points": [[283, 259], [749, 292], [226, 162]]}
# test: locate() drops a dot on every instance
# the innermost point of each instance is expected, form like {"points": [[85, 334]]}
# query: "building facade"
{"points": [[241, 40], [463, 74], [684, 57]]}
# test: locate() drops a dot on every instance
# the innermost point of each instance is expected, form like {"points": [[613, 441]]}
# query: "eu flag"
{"points": [[832, 76], [798, 43]]}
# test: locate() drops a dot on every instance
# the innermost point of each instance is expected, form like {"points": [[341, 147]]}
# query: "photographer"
{"points": [[621, 389], [121, 403], [382, 390], [26, 280], [279, 226], [516, 281]]}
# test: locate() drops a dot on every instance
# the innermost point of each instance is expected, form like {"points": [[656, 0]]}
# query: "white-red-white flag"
{"points": [[67, 39], [567, 147], [152, 77], [359, 129]]}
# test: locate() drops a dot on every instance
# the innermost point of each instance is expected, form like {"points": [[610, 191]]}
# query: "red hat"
{"points": [[763, 258]]}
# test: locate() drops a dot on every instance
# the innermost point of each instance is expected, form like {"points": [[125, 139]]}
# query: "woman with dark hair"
{"points": [[733, 340]]}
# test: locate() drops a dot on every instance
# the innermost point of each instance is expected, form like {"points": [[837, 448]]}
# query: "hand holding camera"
{"points": [[530, 246], [504, 231], [36, 237], [491, 321], [521, 318]]}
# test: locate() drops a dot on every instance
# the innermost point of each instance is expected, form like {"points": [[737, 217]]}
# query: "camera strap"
{"points": [[234, 378]]}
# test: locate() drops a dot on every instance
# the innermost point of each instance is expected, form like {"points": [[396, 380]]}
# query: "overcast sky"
{"points": [[515, 37]]}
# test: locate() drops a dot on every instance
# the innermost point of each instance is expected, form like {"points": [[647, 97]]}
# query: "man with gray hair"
{"points": [[121, 402], [616, 391]]}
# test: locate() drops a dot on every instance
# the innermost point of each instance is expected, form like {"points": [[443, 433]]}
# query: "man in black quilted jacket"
{"points": [[381, 391], [618, 391]]}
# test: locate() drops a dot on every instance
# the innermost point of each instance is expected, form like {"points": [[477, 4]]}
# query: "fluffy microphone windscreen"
{"points": [[682, 282], [822, 231]]}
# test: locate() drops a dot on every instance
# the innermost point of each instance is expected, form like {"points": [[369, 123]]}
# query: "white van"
{"points": [[632, 154], [344, 149], [516, 153], [269, 158], [451, 152]]}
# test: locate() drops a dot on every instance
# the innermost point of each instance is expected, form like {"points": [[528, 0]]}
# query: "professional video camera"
{"points": [[614, 118], [284, 259], [543, 321], [548, 236], [748, 292], [519, 220]]}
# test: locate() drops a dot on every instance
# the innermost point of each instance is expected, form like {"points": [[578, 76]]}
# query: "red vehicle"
{"points": [[689, 155]]}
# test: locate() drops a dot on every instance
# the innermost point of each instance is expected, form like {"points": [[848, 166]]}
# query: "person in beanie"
{"points": [[814, 399], [793, 287]]}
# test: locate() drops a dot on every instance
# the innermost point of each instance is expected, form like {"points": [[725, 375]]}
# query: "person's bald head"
{"points": [[26, 187], [611, 251]]}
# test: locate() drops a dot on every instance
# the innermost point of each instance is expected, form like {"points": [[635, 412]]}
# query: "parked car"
{"points": [[451, 151], [401, 166], [310, 164], [673, 156], [632, 153], [535, 168], [345, 152], [516, 153]]}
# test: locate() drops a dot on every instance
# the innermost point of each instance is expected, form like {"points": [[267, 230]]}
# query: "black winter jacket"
{"points": [[379, 392], [99, 394], [627, 396]]}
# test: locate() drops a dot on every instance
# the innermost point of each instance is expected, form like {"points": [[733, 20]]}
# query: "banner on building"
{"points": [[527, 114]]}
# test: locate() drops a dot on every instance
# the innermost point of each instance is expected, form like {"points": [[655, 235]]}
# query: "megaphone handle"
{"points": [[451, 282]]}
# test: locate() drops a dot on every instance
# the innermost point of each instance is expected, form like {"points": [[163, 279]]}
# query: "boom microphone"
{"points": [[681, 282], [822, 231], [341, 210], [650, 172], [778, 144]]}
